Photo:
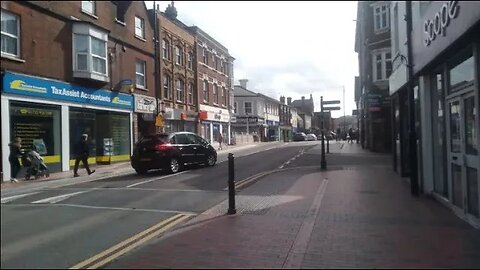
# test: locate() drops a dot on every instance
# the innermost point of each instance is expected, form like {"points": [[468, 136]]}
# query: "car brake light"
{"points": [[163, 147]]}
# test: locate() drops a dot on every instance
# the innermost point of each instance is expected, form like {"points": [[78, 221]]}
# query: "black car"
{"points": [[300, 136], [172, 152]]}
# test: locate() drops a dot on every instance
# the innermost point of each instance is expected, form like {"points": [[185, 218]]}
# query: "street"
{"points": [[60, 227]]}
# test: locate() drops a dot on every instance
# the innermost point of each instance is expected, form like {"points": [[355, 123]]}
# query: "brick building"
{"points": [[177, 73], [74, 67], [214, 66]]}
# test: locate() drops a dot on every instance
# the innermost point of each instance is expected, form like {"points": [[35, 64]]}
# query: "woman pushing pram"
{"points": [[34, 164]]}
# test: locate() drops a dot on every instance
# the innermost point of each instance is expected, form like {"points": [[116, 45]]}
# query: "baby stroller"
{"points": [[33, 162]]}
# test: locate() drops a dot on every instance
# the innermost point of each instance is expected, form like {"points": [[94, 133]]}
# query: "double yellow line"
{"points": [[120, 249]]}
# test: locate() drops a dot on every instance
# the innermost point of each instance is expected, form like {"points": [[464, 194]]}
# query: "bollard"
{"points": [[328, 146], [231, 185]]}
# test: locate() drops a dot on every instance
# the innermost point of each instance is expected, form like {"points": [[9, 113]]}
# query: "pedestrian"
{"points": [[15, 153], [350, 135], [81, 154], [338, 134], [220, 140]]}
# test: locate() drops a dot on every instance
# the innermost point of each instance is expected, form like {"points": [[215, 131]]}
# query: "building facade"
{"points": [[178, 93], [445, 62], [372, 43], [214, 71], [81, 70], [285, 121]]}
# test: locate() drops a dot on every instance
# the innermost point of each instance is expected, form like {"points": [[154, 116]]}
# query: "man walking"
{"points": [[81, 154]]}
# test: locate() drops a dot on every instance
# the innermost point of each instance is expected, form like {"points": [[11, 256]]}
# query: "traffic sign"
{"points": [[331, 108], [331, 102]]}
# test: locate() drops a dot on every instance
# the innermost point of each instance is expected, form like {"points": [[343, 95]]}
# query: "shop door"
{"points": [[463, 161]]}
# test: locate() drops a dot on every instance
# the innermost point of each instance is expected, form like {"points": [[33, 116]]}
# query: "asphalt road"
{"points": [[87, 224]]}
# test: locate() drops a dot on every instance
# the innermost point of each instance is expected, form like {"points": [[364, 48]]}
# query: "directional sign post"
{"points": [[331, 108], [323, 162]]}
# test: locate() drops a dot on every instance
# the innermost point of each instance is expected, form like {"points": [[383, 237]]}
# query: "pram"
{"points": [[33, 162]]}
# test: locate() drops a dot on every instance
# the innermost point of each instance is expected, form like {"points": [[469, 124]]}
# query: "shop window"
{"points": [[39, 126], [90, 49], [140, 74], [139, 27], [10, 34], [462, 73]]}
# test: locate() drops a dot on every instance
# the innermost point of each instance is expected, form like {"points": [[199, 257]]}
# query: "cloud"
{"points": [[284, 48]]}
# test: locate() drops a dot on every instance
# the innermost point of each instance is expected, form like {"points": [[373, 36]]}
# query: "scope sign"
{"points": [[437, 26]]}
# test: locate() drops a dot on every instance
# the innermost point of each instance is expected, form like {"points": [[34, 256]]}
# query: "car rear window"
{"points": [[155, 139]]}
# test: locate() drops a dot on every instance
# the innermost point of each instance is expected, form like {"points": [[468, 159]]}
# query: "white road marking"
{"points": [[155, 179], [59, 198], [9, 199]]}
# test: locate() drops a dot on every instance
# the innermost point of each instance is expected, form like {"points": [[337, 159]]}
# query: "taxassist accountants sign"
{"points": [[37, 87]]}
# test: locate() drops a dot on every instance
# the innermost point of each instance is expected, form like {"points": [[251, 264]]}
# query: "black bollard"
{"points": [[231, 185], [328, 146]]}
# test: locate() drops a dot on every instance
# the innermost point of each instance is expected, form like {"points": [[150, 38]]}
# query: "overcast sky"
{"points": [[288, 48]]}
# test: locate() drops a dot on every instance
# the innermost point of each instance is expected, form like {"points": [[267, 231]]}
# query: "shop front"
{"points": [[214, 121], [144, 117], [447, 64], [52, 115], [180, 120]]}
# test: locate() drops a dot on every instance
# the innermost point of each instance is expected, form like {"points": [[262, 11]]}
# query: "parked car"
{"points": [[172, 152], [311, 137], [300, 136]]}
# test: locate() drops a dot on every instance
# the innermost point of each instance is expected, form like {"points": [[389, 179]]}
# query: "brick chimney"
{"points": [[243, 83], [282, 99], [289, 101]]}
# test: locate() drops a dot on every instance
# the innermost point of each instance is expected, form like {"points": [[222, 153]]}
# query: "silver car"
{"points": [[311, 137]]}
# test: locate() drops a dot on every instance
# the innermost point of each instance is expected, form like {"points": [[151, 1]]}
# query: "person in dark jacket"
{"points": [[81, 154], [15, 153]]}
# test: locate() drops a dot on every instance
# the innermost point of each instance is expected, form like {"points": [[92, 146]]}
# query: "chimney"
{"points": [[289, 101], [243, 83], [282, 99]]}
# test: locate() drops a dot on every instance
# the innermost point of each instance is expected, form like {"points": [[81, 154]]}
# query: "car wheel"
{"points": [[174, 165], [211, 160], [141, 171]]}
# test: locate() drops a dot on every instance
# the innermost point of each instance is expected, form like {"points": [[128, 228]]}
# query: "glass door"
{"points": [[463, 154]]}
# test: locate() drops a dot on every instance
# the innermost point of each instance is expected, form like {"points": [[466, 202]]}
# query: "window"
{"points": [[89, 6], [396, 41], [205, 56], [10, 34], [381, 17], [140, 74], [235, 108], [90, 52], [382, 65], [180, 90], [179, 55], [166, 49], [248, 107], [222, 68], [216, 62], [224, 96], [190, 93], [215, 94], [205, 91], [167, 87], [139, 27], [190, 60]]}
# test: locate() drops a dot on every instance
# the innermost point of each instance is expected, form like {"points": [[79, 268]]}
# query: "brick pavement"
{"points": [[366, 219]]}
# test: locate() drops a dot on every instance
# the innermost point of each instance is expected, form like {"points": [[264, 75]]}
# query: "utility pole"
{"points": [[158, 82]]}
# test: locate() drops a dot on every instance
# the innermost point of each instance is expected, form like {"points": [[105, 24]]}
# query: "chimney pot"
{"points": [[243, 83], [289, 101]]}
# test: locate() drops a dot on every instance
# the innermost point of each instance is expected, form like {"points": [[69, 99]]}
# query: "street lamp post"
{"points": [[323, 162]]}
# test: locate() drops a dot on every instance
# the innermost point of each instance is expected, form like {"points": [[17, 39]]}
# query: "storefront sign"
{"points": [[439, 23], [144, 104], [215, 114], [48, 89]]}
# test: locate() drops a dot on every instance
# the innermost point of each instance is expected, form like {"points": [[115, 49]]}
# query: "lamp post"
{"points": [[323, 162]]}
